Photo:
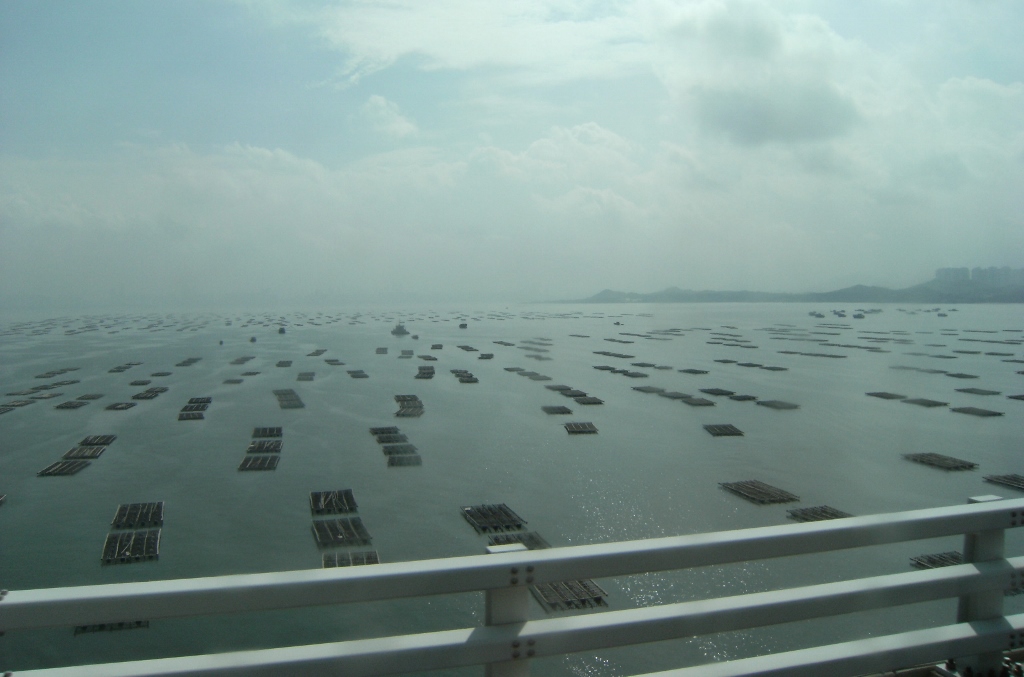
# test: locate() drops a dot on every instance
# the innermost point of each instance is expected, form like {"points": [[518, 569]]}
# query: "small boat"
{"points": [[399, 330]]}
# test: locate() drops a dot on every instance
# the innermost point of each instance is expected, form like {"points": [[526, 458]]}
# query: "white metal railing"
{"points": [[508, 640]]}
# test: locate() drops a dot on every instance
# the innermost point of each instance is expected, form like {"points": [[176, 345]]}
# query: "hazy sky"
{"points": [[380, 150]]}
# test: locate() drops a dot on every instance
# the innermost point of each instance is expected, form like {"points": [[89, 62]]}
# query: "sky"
{"points": [[266, 152]]}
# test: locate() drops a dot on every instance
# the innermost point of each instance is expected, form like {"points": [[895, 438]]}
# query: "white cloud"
{"points": [[386, 118]]}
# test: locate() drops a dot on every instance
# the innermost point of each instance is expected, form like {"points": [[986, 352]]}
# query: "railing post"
{"points": [[979, 606], [505, 606]]}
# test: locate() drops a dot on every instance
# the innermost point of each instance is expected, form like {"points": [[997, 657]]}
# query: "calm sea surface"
{"points": [[652, 470]]}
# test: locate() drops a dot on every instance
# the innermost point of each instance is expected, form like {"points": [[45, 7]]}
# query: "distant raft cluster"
{"points": [[331, 532], [288, 399], [396, 447], [79, 457], [194, 409], [264, 450], [409, 406]]}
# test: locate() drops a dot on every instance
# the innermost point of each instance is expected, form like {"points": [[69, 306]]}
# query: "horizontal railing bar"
{"points": [[865, 656], [552, 637], [86, 605]]}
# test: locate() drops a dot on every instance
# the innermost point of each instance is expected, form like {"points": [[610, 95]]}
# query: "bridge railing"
{"points": [[508, 640]]}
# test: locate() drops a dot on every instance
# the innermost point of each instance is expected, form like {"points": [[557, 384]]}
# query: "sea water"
{"points": [[651, 470]]}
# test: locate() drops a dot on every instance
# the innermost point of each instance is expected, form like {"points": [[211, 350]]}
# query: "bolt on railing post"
{"points": [[504, 606], [982, 546]]}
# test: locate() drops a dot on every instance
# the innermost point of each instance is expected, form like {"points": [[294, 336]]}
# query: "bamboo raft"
{"points": [[340, 532], [816, 514], [922, 402], [61, 468], [941, 461], [267, 432], [717, 392], [886, 396], [937, 560], [697, 401], [90, 452], [136, 515], [72, 404], [288, 399], [332, 502], [566, 595], [284, 363], [580, 428], [405, 460], [556, 410], [587, 400], [398, 449], [492, 518], [531, 539], [98, 440], [125, 547], [1012, 481], [306, 376], [190, 416], [692, 371], [391, 438], [345, 559], [723, 430], [759, 492], [975, 411], [259, 463], [777, 404], [978, 391], [194, 407]]}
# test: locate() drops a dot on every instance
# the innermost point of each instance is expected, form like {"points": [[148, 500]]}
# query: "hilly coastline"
{"points": [[950, 285]]}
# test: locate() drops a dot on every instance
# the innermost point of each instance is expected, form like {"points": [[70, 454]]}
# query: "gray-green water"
{"points": [[651, 471]]}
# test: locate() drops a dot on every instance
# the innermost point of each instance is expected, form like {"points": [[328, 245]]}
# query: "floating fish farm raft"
{"points": [[975, 411], [556, 410], [492, 518], [136, 515], [340, 532], [887, 396], [332, 502], [582, 428], [288, 399], [259, 463], [816, 514], [346, 559], [941, 461], [1012, 481], [759, 492], [62, 468], [723, 430], [567, 595], [125, 547], [940, 559], [90, 452]]}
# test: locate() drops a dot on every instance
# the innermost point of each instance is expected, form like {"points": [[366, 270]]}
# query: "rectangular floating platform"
{"points": [[73, 404], [136, 515], [816, 514], [341, 531], [250, 373], [90, 396], [398, 449], [692, 371], [572, 392], [391, 438], [648, 389], [567, 595], [332, 502], [346, 559], [978, 391], [718, 392], [405, 400], [142, 382], [723, 430], [531, 539], [962, 375], [98, 440], [4, 410], [759, 492], [194, 407], [588, 400], [62, 468], [264, 447], [975, 411], [306, 376], [697, 402], [492, 518], [580, 428], [382, 351], [559, 387], [288, 399], [437, 346], [922, 402], [539, 377], [405, 460], [284, 363], [111, 627], [200, 400], [317, 353], [941, 461], [1012, 481], [556, 410], [259, 463], [674, 395], [777, 404], [89, 452], [939, 559], [775, 368], [191, 416], [751, 398], [125, 547], [886, 396], [267, 432], [409, 412], [145, 395], [358, 373], [385, 430]]}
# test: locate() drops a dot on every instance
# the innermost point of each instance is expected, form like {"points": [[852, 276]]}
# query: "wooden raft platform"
{"points": [[531, 539], [778, 405], [566, 595], [975, 411], [1012, 481], [264, 447], [83, 452], [98, 440], [816, 514], [267, 432], [922, 402], [886, 396], [492, 518], [723, 430], [341, 531], [347, 559], [288, 399], [556, 410], [125, 547], [759, 492], [581, 428], [259, 463], [941, 461], [135, 515], [190, 416], [332, 502], [62, 468]]}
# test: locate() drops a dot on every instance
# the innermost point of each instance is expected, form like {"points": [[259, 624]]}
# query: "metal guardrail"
{"points": [[508, 640]]}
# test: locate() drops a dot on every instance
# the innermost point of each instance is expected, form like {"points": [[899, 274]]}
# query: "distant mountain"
{"points": [[933, 291]]}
